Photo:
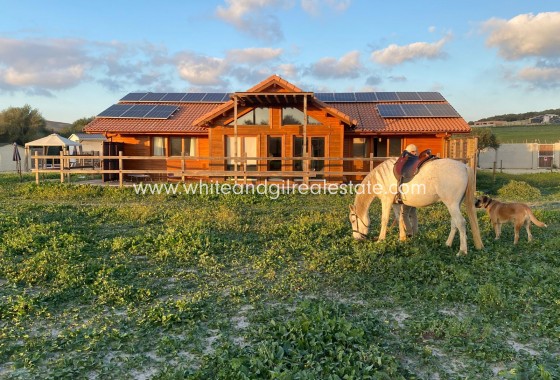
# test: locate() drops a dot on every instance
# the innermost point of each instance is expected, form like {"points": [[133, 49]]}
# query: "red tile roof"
{"points": [[364, 116]]}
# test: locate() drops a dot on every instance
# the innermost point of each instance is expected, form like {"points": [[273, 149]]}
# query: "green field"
{"points": [[527, 134], [99, 282]]}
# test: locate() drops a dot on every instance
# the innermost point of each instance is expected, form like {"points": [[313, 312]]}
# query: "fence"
{"points": [[67, 165]]}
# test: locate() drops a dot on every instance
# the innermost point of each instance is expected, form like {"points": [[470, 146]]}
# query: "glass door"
{"points": [[274, 148]]}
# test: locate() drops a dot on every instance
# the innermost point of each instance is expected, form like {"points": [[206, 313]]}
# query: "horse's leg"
{"points": [[449, 241], [459, 220], [386, 206]]}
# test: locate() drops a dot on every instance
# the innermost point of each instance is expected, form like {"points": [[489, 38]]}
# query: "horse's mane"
{"points": [[381, 172]]}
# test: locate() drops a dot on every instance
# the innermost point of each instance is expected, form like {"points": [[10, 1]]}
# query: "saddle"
{"points": [[408, 165]]}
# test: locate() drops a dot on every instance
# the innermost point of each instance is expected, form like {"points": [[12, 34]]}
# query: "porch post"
{"points": [[235, 149], [305, 161]]}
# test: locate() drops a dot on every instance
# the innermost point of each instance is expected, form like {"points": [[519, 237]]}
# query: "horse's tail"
{"points": [[471, 210]]}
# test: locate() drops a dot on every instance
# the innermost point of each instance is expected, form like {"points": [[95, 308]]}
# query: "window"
{"points": [[359, 147], [175, 146], [387, 147], [257, 116], [246, 146], [317, 145], [158, 146], [294, 116], [395, 147]]}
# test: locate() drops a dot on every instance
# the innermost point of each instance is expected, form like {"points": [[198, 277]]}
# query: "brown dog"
{"points": [[520, 214]]}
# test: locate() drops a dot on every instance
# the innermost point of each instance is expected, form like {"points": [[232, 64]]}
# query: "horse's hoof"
{"points": [[461, 253]]}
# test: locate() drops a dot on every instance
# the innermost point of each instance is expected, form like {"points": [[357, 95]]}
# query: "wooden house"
{"points": [[274, 126]]}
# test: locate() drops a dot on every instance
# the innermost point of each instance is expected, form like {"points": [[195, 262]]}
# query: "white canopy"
{"points": [[52, 140]]}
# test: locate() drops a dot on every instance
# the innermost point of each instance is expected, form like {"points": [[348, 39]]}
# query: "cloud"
{"points": [[315, 7], [248, 16], [525, 35], [348, 66], [253, 55], [289, 70], [201, 70], [373, 80], [395, 55], [398, 78], [39, 66], [540, 77]]}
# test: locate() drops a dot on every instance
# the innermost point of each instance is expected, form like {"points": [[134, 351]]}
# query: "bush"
{"points": [[519, 191]]}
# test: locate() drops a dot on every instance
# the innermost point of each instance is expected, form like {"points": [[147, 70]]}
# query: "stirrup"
{"points": [[398, 199]]}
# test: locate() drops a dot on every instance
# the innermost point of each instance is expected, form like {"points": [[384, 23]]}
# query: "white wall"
{"points": [[515, 156], [6, 156]]}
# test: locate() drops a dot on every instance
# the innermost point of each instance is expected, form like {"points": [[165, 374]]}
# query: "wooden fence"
{"points": [[73, 164]]}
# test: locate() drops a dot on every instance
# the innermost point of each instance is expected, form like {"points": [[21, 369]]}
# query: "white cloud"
{"points": [[546, 77], [525, 35], [253, 55], [395, 54], [248, 16], [348, 66], [40, 65], [201, 70], [289, 70]]}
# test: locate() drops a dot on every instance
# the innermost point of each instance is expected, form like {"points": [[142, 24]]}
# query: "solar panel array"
{"points": [[417, 110], [139, 111], [183, 97], [352, 97]]}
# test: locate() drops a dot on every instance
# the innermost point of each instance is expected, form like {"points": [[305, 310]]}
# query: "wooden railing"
{"points": [[72, 164]]}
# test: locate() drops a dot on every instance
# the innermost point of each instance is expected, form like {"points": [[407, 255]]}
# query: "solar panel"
{"points": [[387, 96], [391, 110], [416, 110], [325, 96], [134, 96], [365, 96], [344, 97], [431, 96], [173, 97], [161, 112], [442, 110], [213, 97], [227, 97], [138, 111], [153, 96], [116, 110], [193, 97], [409, 96]]}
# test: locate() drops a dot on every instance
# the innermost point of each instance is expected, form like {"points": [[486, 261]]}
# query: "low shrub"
{"points": [[519, 191]]}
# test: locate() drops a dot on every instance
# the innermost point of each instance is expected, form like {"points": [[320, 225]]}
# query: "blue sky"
{"points": [[72, 59]]}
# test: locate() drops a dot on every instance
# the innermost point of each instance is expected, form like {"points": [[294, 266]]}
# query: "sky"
{"points": [[73, 59]]}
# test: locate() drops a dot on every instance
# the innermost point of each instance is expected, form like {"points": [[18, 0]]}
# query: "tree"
{"points": [[486, 139], [77, 126], [21, 124]]}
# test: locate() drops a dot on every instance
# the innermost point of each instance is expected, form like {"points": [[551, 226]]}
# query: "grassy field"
{"points": [[103, 283], [524, 134]]}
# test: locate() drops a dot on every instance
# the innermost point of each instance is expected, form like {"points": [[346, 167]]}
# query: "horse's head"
{"points": [[360, 225]]}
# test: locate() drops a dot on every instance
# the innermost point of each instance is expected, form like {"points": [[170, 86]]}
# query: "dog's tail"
{"points": [[471, 210], [537, 222]]}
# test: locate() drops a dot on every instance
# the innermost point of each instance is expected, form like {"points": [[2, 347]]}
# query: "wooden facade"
{"points": [[266, 127]]}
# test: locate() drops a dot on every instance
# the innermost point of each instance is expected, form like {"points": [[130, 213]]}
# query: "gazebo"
{"points": [[53, 140]]}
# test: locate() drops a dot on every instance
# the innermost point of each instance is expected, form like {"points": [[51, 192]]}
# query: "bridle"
{"points": [[356, 227]]}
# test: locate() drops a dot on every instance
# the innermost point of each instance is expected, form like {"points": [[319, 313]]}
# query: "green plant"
{"points": [[520, 191]]}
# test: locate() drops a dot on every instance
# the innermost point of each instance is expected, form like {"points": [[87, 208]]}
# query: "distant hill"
{"points": [[521, 116], [57, 126]]}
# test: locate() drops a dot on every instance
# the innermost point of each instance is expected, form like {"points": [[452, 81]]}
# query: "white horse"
{"points": [[445, 180]]}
